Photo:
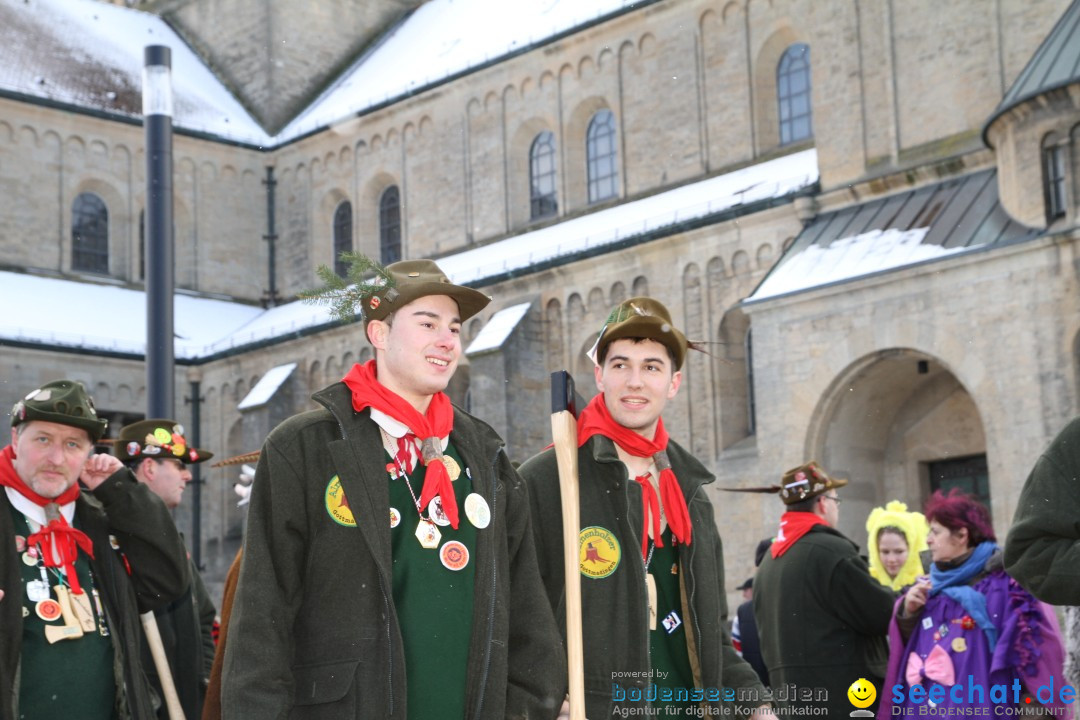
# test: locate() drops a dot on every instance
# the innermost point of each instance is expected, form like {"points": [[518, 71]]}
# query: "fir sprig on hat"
{"points": [[346, 295]]}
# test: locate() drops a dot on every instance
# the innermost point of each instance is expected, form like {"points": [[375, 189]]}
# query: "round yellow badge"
{"points": [[337, 505], [598, 552]]}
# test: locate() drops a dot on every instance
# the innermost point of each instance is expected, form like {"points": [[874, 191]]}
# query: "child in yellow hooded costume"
{"points": [[894, 518]]}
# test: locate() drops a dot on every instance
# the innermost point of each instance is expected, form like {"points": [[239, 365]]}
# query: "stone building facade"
{"points": [[954, 370]]}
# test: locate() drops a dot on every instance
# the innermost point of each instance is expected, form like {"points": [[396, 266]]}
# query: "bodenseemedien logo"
{"points": [[862, 694]]}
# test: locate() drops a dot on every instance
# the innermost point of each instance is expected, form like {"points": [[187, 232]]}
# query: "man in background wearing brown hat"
{"points": [[159, 455], [821, 617], [652, 564], [79, 566], [388, 567]]}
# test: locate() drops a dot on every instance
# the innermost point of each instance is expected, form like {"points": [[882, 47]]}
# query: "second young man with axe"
{"points": [[650, 558]]}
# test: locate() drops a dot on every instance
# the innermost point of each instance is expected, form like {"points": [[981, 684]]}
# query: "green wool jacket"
{"points": [[314, 631], [615, 608], [1042, 550], [148, 539], [822, 620]]}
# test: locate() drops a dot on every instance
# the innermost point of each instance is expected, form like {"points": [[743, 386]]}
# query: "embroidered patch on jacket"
{"points": [[337, 506], [598, 552]]}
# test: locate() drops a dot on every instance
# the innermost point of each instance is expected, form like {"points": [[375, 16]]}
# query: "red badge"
{"points": [[373, 303], [454, 555], [48, 610], [967, 623], [20, 543], [133, 448], [193, 455]]}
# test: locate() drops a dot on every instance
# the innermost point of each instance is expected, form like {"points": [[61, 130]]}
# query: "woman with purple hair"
{"points": [[969, 635]]}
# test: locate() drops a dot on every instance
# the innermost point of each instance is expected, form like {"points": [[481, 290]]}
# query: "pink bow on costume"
{"points": [[938, 667]]}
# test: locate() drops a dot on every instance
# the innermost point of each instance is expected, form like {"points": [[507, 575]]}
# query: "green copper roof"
{"points": [[1055, 64]]}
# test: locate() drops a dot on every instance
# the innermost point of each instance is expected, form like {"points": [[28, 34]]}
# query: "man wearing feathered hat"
{"points": [[822, 619], [653, 595], [388, 567], [160, 457], [80, 566]]}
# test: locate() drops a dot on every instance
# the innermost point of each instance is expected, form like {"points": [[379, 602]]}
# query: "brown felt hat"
{"points": [[807, 481], [157, 439], [61, 401], [642, 317], [414, 279]]}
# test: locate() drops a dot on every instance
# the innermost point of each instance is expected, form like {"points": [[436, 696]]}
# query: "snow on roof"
{"points": [[773, 179], [851, 257], [116, 321], [498, 329], [105, 318], [266, 387], [90, 54], [440, 39]]}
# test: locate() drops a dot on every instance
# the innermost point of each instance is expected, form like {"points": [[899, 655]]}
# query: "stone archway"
{"points": [[897, 423]]}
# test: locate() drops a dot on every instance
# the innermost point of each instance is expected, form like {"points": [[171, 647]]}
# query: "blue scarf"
{"points": [[954, 583]]}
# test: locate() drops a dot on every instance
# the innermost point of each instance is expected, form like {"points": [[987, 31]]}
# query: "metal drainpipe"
{"points": [[194, 378], [270, 297]]}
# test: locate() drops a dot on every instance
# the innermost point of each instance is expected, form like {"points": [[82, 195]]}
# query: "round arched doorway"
{"points": [[899, 425]]}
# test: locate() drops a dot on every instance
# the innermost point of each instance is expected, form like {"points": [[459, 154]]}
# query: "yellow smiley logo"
{"points": [[862, 693]]}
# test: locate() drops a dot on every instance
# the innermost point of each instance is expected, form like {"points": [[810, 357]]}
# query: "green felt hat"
{"points": [[61, 401], [642, 317]]}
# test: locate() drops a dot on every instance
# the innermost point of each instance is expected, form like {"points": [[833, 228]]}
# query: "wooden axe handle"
{"points": [[564, 434], [157, 650]]}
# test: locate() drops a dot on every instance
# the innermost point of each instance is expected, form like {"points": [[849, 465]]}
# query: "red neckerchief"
{"points": [[57, 536], [437, 423], [793, 525], [596, 420]]}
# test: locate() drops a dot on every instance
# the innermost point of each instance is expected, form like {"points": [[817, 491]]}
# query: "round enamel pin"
{"points": [[959, 644], [454, 555], [48, 610], [395, 518], [436, 513], [20, 544], [598, 552], [29, 557], [477, 510], [337, 505]]}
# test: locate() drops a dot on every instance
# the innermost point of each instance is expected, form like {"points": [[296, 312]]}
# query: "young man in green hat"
{"points": [[80, 567], [652, 564], [388, 567], [822, 618], [160, 457]]}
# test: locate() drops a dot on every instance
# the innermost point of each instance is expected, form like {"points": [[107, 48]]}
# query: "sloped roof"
{"points": [[1055, 64], [923, 225], [89, 55], [442, 39]]}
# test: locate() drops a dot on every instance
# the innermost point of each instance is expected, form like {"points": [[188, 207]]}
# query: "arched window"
{"points": [[793, 94], [542, 199], [390, 225], [90, 234], [600, 153], [1053, 157], [342, 236]]}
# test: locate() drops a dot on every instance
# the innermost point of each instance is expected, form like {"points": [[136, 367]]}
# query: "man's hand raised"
{"points": [[97, 468]]}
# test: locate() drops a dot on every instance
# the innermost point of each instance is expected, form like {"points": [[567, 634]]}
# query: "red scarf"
{"points": [[793, 525], [437, 423], [596, 420], [57, 537]]}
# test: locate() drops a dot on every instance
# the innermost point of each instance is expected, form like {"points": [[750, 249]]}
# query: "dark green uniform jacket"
{"points": [[615, 607], [314, 631], [1042, 550], [185, 625], [141, 523], [822, 619]]}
